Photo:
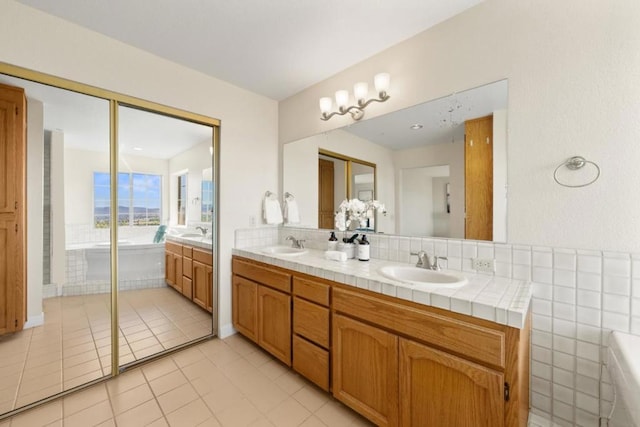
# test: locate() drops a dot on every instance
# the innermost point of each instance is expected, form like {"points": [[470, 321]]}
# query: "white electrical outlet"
{"points": [[487, 265]]}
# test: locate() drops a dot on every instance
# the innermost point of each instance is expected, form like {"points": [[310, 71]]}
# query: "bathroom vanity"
{"points": [[383, 348], [189, 270]]}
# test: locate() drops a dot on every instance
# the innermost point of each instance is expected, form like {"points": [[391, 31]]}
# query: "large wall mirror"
{"points": [[165, 171], [441, 166]]}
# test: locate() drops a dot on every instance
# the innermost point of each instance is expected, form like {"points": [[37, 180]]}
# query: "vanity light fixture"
{"points": [[360, 92]]}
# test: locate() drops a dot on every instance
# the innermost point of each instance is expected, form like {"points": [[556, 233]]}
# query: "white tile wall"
{"points": [[578, 297]]}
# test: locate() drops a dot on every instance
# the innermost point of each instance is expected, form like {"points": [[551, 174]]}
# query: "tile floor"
{"points": [[73, 346], [227, 382]]}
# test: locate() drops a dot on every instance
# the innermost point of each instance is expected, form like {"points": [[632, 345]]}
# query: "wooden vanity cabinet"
{"points": [[398, 363], [173, 265], [261, 306], [311, 329], [189, 271], [202, 279]]}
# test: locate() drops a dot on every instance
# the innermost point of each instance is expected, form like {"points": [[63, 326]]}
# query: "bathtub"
{"points": [[624, 367], [135, 261]]}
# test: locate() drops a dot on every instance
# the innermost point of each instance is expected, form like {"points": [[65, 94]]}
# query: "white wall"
{"points": [[249, 146], [194, 161], [573, 71], [58, 234]]}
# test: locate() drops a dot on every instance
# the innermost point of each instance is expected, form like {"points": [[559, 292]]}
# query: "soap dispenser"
{"points": [[364, 249], [333, 242]]}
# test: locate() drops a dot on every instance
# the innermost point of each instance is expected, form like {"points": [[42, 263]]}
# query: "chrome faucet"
{"points": [[203, 230], [424, 261], [295, 243]]}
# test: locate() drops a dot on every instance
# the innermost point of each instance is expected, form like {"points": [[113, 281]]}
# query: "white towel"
{"points": [[336, 256], [291, 212], [271, 210]]}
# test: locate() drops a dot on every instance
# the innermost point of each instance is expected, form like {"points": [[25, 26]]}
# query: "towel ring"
{"points": [[576, 163]]}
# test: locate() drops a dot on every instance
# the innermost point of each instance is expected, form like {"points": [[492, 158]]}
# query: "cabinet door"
{"points": [[7, 277], [245, 307], [200, 284], [365, 370], [440, 389], [169, 269], [177, 262], [274, 323], [209, 272]]}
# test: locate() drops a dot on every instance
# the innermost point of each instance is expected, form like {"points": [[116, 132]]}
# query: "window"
{"points": [[139, 199], [206, 210], [182, 199]]}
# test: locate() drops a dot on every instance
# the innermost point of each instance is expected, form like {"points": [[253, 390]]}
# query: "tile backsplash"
{"points": [[578, 298]]}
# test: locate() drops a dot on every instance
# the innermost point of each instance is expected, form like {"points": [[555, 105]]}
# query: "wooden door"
{"points": [[12, 209], [274, 323], [478, 178], [365, 370], [439, 389], [326, 195], [244, 296], [200, 280]]}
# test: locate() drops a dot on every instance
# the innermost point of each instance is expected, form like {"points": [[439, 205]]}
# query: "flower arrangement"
{"points": [[357, 211]]}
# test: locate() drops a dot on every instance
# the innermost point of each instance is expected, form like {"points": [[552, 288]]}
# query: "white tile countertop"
{"points": [[498, 299], [200, 242]]}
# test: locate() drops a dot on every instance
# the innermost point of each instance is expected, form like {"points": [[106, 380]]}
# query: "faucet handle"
{"points": [[435, 265]]}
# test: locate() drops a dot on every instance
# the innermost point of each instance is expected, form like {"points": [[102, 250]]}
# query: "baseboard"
{"points": [[34, 321], [226, 331]]}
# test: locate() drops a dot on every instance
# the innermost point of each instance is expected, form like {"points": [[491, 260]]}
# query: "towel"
{"points": [[291, 212], [336, 256], [271, 210]]}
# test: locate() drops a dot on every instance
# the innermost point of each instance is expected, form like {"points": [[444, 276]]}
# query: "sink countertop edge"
{"points": [[498, 299]]}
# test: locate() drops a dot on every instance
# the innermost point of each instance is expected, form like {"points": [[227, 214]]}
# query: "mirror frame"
{"points": [[115, 100]]}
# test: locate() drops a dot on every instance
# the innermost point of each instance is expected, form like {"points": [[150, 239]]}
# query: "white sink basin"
{"points": [[422, 276], [283, 250]]}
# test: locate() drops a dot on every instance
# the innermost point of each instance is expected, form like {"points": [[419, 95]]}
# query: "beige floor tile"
{"points": [[84, 399], [82, 379], [39, 382], [125, 381], [202, 368], [160, 422], [33, 396], [90, 416], [241, 345], [159, 368], [80, 369], [177, 398], [188, 356], [333, 413], [131, 398], [144, 343], [240, 414], [81, 348], [192, 414], [290, 382], [148, 351], [311, 397], [289, 413], [258, 358], [273, 369], [262, 422], [168, 382], [266, 397], [71, 361], [109, 423], [39, 416], [221, 396], [140, 415], [313, 421]]}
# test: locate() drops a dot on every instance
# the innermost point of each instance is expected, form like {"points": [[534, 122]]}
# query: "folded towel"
{"points": [[336, 256], [291, 212], [271, 210]]}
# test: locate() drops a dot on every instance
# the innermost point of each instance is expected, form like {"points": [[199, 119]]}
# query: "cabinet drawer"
{"points": [[186, 267], [312, 291], [311, 321], [173, 248], [267, 276], [311, 361], [187, 251], [205, 257], [187, 287], [466, 339]]}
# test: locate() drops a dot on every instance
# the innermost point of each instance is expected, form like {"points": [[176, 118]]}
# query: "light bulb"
{"points": [[360, 91], [381, 82], [325, 105], [342, 98]]}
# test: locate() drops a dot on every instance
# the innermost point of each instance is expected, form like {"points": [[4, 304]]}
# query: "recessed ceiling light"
{"points": [[137, 149], [416, 126]]}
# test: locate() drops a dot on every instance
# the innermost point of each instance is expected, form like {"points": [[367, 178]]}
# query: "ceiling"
{"points": [[275, 48]]}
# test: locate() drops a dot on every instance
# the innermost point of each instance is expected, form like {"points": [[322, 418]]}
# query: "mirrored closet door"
{"points": [[114, 189]]}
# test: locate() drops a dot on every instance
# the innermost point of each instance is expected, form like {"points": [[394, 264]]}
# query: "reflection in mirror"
{"points": [[66, 340], [160, 176], [402, 142], [206, 210]]}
